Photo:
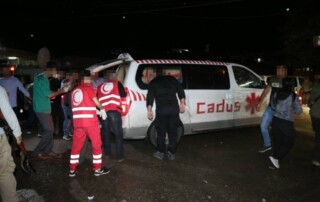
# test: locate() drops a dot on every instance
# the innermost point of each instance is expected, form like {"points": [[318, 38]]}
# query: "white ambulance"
{"points": [[219, 95]]}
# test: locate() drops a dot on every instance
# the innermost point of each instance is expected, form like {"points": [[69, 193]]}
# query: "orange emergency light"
{"points": [[11, 68]]}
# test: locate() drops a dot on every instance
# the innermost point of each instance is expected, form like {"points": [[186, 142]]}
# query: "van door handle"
{"points": [[228, 96], [241, 96]]}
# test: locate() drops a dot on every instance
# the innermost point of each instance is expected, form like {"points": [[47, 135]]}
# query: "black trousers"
{"points": [[316, 128], [283, 132], [167, 121], [57, 117]]}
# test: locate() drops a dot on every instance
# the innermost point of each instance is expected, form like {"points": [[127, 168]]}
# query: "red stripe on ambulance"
{"points": [[164, 61]]}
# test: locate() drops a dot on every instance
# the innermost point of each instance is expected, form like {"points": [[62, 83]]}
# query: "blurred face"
{"points": [[51, 72], [87, 80], [281, 71], [94, 75], [110, 75], [6, 72], [60, 74]]}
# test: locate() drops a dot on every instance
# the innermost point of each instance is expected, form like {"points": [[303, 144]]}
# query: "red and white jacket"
{"points": [[109, 97], [83, 107]]}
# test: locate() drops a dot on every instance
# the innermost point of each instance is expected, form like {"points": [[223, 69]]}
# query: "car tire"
{"points": [[152, 134]]}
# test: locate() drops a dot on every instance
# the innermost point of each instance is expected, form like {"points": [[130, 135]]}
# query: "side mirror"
{"points": [[263, 83]]}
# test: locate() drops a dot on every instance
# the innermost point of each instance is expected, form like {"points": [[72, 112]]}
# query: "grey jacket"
{"points": [[284, 109]]}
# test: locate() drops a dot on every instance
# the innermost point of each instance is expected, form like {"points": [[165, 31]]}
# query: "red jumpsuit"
{"points": [[85, 123]]}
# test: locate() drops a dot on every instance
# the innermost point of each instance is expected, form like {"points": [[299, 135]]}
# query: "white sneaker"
{"points": [[66, 138], [158, 155], [316, 163], [274, 161]]}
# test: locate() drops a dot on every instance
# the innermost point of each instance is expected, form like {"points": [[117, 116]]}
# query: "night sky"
{"points": [[98, 28]]}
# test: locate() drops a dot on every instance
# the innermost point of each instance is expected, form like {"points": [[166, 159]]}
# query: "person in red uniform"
{"points": [[86, 123], [109, 94]]}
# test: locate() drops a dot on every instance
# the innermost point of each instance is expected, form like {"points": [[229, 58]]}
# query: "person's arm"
{"points": [[9, 115], [150, 112], [98, 104], [43, 86], [315, 93], [102, 113], [264, 93], [56, 93], [182, 106], [122, 92], [182, 97], [297, 106], [150, 100], [23, 89]]}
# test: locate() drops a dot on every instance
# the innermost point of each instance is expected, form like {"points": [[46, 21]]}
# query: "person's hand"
{"points": [[258, 107], [67, 88], [19, 139], [182, 108], [103, 114], [150, 114]]}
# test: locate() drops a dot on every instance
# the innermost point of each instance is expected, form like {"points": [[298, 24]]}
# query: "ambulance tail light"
{"points": [[125, 103]]}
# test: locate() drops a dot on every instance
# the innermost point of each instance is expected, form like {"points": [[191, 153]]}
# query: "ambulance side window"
{"points": [[207, 77], [246, 79], [146, 73]]}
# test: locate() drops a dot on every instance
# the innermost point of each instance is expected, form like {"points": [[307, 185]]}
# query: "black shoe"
{"points": [[265, 148], [170, 156], [102, 171], [120, 160]]}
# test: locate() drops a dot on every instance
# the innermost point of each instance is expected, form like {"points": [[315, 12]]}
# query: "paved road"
{"points": [[220, 166]]}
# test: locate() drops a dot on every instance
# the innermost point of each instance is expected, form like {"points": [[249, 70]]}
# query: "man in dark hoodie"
{"points": [[285, 103]]}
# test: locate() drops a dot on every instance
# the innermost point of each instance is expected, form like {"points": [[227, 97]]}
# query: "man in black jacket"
{"points": [[164, 90]]}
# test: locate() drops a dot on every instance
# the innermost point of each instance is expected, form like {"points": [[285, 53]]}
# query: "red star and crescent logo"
{"points": [[77, 97], [252, 101], [107, 87]]}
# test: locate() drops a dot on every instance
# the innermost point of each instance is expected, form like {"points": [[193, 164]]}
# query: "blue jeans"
{"points": [[112, 124], [264, 126], [67, 123]]}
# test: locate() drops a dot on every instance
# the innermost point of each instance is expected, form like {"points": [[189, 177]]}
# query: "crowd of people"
{"points": [[87, 108]]}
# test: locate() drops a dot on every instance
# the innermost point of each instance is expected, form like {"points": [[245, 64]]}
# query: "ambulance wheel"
{"points": [[152, 134]]}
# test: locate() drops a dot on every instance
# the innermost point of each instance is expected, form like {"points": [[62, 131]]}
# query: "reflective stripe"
{"points": [[97, 161], [109, 96], [83, 109], [97, 156], [75, 156], [110, 102], [74, 161], [82, 116]]}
